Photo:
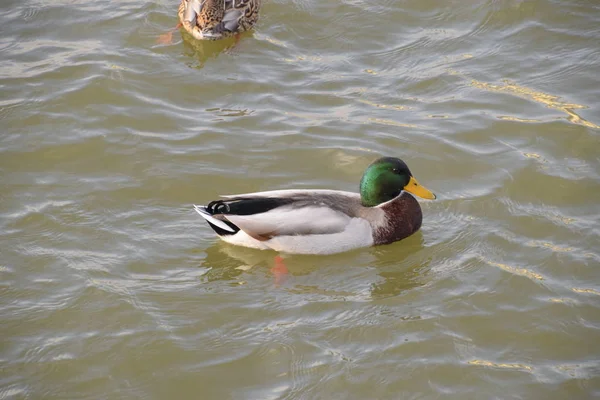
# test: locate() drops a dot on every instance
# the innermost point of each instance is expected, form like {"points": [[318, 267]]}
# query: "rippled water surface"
{"points": [[112, 287]]}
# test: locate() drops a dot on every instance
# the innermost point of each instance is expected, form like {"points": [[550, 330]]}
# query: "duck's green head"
{"points": [[385, 178]]}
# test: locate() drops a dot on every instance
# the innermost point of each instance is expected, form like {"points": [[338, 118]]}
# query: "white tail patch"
{"points": [[202, 211]]}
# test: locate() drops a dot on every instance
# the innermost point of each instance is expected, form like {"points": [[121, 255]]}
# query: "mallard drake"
{"points": [[323, 221], [216, 19]]}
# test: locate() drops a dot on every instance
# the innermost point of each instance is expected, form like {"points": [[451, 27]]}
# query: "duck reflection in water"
{"points": [[200, 50], [397, 268]]}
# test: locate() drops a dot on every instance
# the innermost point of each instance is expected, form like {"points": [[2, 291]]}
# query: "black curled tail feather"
{"points": [[218, 207], [246, 206], [221, 226], [223, 232]]}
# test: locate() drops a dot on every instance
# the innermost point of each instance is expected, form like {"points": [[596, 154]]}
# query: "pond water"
{"points": [[113, 287]]}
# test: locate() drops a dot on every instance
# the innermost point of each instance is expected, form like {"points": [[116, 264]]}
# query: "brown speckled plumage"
{"points": [[403, 218], [219, 18]]}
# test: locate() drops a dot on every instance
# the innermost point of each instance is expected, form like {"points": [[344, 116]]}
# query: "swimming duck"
{"points": [[216, 19], [318, 221]]}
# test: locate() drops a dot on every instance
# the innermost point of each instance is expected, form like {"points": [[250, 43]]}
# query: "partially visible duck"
{"points": [[216, 19]]}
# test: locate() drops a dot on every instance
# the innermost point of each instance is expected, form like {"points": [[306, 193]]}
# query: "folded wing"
{"points": [[263, 215]]}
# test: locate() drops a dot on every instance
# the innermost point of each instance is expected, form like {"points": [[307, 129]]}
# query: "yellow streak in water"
{"points": [[532, 155], [114, 66], [528, 155], [549, 100], [591, 291], [518, 271], [509, 118], [390, 122], [564, 220], [275, 41], [550, 246], [438, 116], [302, 58], [500, 365], [371, 103]]}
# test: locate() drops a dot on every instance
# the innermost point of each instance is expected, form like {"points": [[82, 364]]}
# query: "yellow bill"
{"points": [[415, 188]]}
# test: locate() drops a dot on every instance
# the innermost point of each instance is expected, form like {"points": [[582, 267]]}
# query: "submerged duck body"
{"points": [[217, 19], [323, 221]]}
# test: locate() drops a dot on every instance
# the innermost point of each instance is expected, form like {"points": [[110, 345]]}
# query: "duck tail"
{"points": [[219, 226]]}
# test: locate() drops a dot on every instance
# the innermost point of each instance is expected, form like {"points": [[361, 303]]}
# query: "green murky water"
{"points": [[112, 287]]}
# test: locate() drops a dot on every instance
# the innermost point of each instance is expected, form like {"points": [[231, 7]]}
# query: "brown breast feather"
{"points": [[403, 218]]}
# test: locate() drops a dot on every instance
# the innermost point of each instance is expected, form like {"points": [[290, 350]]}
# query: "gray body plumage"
{"points": [[298, 221]]}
